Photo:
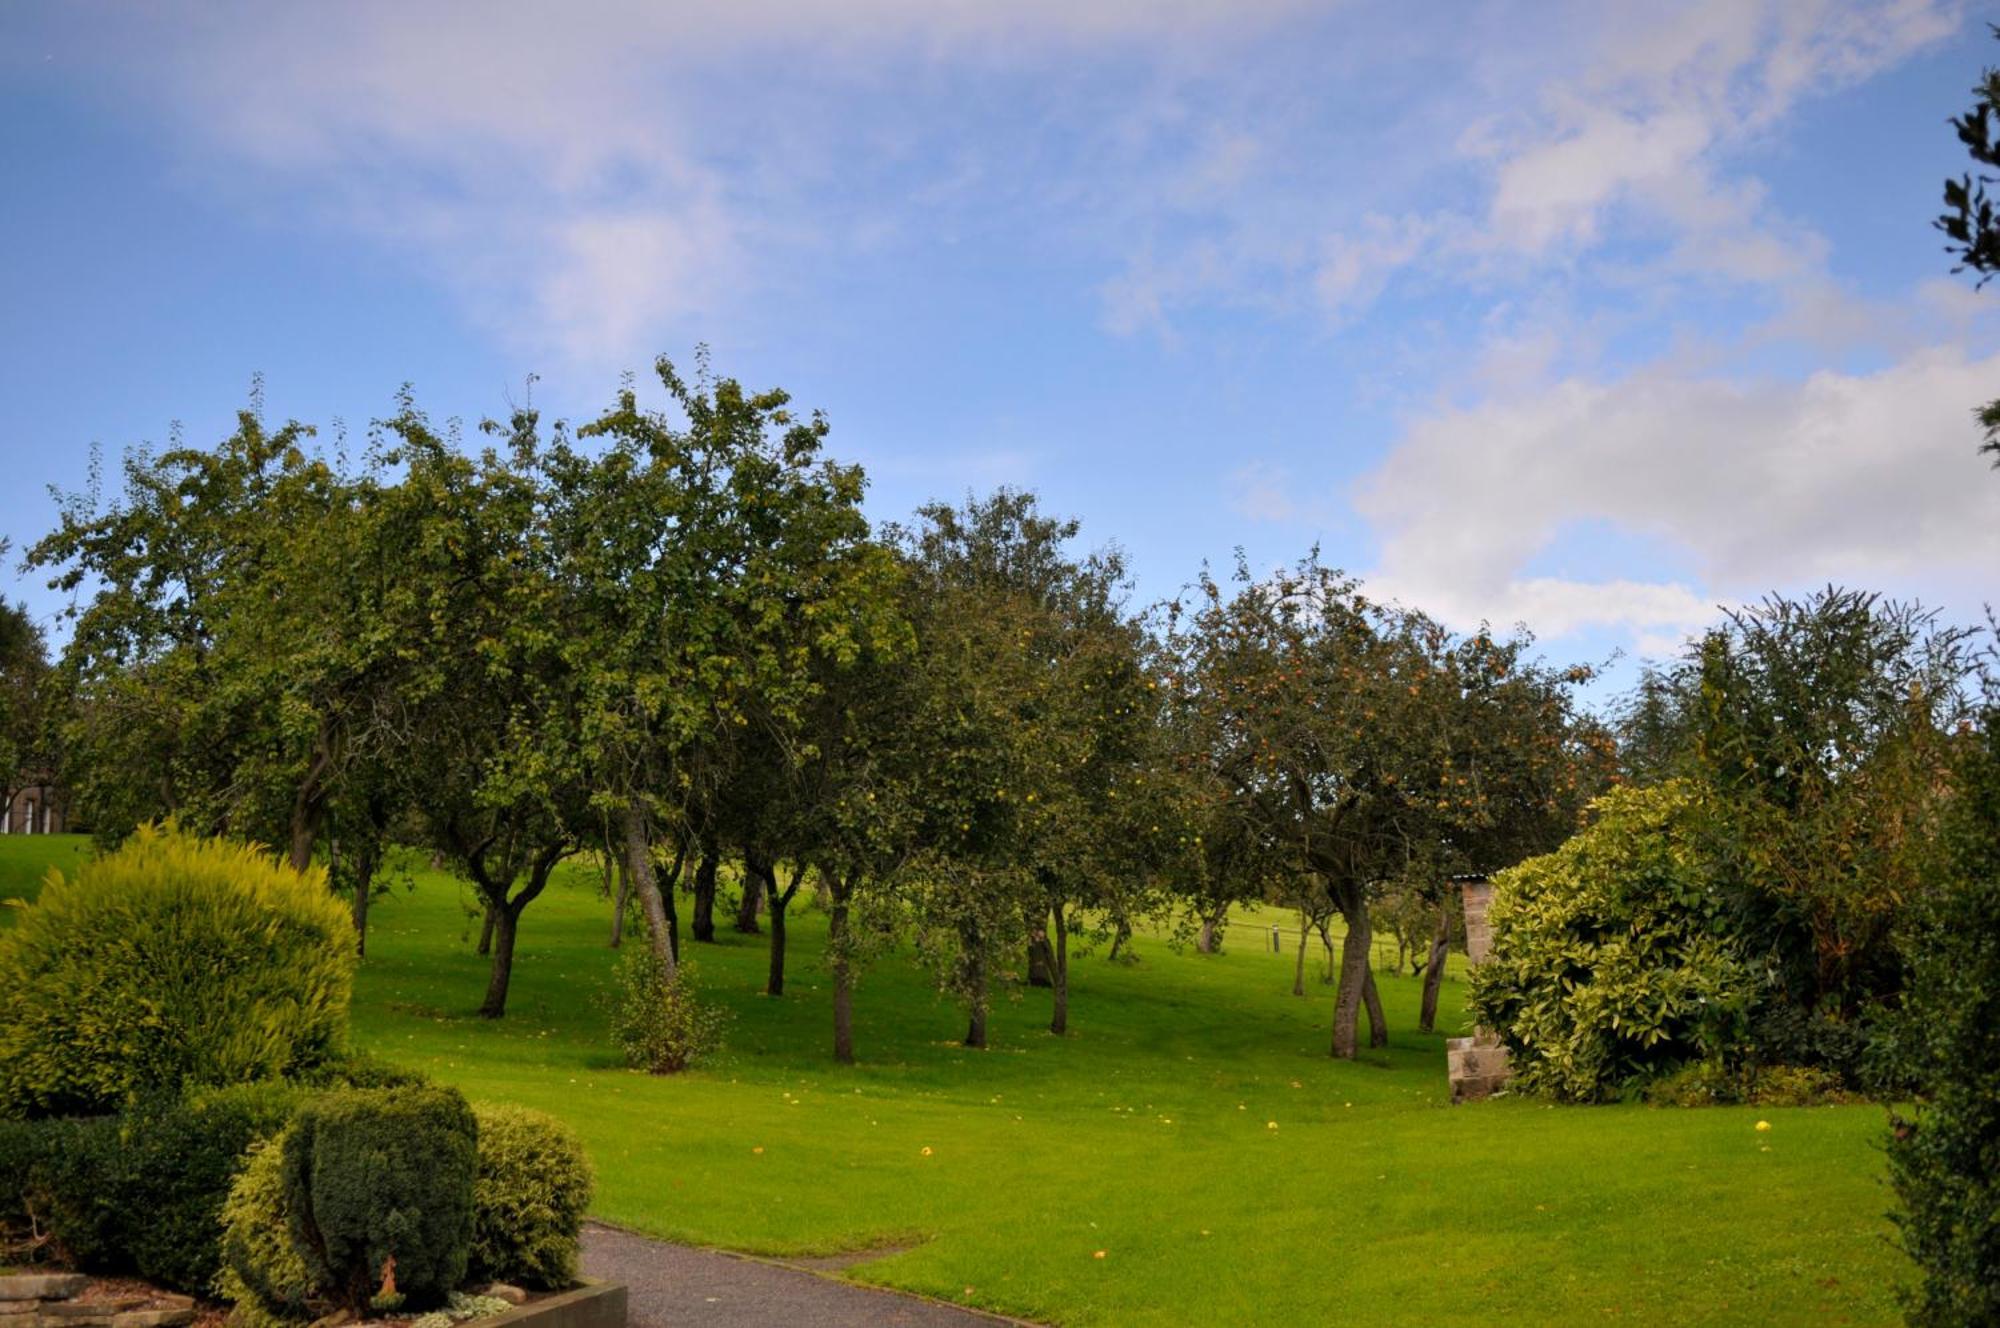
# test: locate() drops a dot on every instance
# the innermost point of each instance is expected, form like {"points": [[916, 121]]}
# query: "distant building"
{"points": [[36, 809]]}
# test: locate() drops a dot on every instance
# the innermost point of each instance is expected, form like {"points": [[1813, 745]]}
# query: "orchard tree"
{"points": [[495, 768], [709, 558], [1072, 706], [1360, 738], [240, 643]]}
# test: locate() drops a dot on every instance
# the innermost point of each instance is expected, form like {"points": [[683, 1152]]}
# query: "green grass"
{"points": [[25, 859], [1145, 1135]]}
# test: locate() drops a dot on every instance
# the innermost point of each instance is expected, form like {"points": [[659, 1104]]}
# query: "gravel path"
{"points": [[672, 1285]]}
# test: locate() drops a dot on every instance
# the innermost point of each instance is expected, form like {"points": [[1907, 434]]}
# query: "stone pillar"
{"points": [[1477, 1065]]}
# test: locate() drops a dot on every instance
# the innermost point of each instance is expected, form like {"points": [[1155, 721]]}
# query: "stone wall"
{"points": [[60, 1300]]}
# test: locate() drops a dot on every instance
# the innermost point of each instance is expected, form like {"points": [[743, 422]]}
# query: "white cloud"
{"points": [[1869, 479]]}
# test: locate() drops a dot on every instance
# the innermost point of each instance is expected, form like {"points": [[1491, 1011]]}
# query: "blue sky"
{"points": [[1593, 316]]}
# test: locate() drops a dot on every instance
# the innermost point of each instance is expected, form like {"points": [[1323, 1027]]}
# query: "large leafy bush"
{"points": [[529, 1199], [1611, 956], [174, 960], [380, 1174], [1946, 1161]]}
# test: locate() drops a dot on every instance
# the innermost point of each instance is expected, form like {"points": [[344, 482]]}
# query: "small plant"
{"points": [[460, 1308], [528, 1202], [657, 1019]]}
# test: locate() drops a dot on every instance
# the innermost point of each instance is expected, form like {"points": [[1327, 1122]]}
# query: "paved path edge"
{"points": [[824, 1274]]}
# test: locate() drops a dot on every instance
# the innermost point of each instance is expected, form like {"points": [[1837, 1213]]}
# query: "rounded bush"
{"points": [[176, 960], [1611, 958], [528, 1202], [378, 1187]]}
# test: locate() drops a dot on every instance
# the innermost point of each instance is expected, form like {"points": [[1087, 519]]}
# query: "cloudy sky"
{"points": [[1590, 315]]}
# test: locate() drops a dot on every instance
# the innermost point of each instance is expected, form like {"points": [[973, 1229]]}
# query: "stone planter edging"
{"points": [[592, 1305]]}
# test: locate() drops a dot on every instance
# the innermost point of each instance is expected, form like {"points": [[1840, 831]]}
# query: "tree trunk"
{"points": [[1122, 939], [1434, 971], [504, 921], [364, 886], [1210, 940], [306, 812], [1378, 1027], [1299, 974], [746, 907], [1059, 1021], [774, 980], [975, 1032], [1353, 971], [1040, 957], [639, 862], [704, 897], [843, 972], [781, 903], [624, 901], [486, 933]]}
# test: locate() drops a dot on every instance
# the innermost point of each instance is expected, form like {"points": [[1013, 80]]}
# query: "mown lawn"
{"points": [[25, 859], [1148, 1135]]}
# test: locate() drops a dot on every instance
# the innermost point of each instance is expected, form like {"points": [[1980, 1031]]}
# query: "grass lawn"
{"points": [[25, 859], [1192, 1128]]}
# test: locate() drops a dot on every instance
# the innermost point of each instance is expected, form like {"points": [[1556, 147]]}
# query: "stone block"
{"points": [[18, 1320], [41, 1286], [153, 1318], [8, 1307], [513, 1295]]}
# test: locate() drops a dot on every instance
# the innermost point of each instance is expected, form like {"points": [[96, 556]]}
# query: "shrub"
{"points": [[656, 1019], [529, 1199], [180, 1159], [380, 1174], [174, 960], [1942, 1161], [1711, 1083], [263, 1272], [1611, 961], [73, 1192], [20, 1148]]}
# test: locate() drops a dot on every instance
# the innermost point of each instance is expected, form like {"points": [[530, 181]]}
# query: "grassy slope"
{"points": [[1144, 1135]]}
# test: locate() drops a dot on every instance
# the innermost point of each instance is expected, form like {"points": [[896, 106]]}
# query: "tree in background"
{"points": [[1818, 729], [242, 640], [1968, 221], [1941, 1158], [709, 559], [1363, 740], [24, 684]]}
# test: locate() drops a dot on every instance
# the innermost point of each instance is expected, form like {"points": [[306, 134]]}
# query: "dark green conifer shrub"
{"points": [[374, 1175]]}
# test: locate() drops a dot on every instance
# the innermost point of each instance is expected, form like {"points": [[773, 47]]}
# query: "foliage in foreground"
{"points": [[1610, 957], [176, 960], [1943, 1161]]}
